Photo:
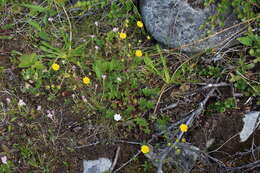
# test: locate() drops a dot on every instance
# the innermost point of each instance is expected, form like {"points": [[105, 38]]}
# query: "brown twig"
{"points": [[115, 160]]}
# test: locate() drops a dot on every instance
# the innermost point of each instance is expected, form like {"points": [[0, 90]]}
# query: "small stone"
{"points": [[96, 166]]}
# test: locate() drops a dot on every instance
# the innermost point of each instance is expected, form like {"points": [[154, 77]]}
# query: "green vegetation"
{"points": [[98, 40]]}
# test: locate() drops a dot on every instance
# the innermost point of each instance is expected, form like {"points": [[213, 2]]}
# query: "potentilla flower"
{"points": [[117, 117], [55, 67], [122, 35], [139, 24], [21, 103], [138, 53], [183, 128], [145, 149], [86, 80]]}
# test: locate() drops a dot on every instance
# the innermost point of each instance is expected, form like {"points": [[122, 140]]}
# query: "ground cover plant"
{"points": [[83, 80]]}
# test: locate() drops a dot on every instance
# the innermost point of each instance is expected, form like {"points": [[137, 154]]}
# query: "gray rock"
{"points": [[96, 166], [176, 23], [251, 122]]}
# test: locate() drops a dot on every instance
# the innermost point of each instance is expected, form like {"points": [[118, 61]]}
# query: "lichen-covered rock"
{"points": [[176, 24], [96, 166]]}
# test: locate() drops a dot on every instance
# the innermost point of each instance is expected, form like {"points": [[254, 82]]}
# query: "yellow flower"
{"points": [[177, 151], [183, 128], [122, 35], [183, 140], [55, 67], [47, 87], [145, 149], [86, 80], [148, 37], [139, 24], [138, 53]]}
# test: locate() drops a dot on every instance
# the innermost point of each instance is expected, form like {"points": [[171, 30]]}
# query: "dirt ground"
{"points": [[73, 129]]}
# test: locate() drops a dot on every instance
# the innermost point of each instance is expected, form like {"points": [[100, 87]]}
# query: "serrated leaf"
{"points": [[27, 60]]}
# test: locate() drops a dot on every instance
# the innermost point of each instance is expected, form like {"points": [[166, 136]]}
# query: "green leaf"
{"points": [[27, 60], [245, 41], [35, 24], [149, 63], [5, 37], [97, 67], [38, 65], [7, 26], [44, 36], [36, 7], [46, 44]]}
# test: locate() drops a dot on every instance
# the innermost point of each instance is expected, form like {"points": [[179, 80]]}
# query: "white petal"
{"points": [[117, 117], [4, 159]]}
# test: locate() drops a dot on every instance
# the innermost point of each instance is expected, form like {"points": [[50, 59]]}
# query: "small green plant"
{"points": [[222, 106], [147, 166], [7, 168]]}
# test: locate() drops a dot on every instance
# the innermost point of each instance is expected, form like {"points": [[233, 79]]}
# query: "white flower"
{"points": [[21, 103], [92, 36], [84, 99], [118, 79], [4, 159], [8, 100], [117, 117], [96, 47], [50, 19], [104, 76], [50, 114], [115, 29], [96, 23], [39, 107]]}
